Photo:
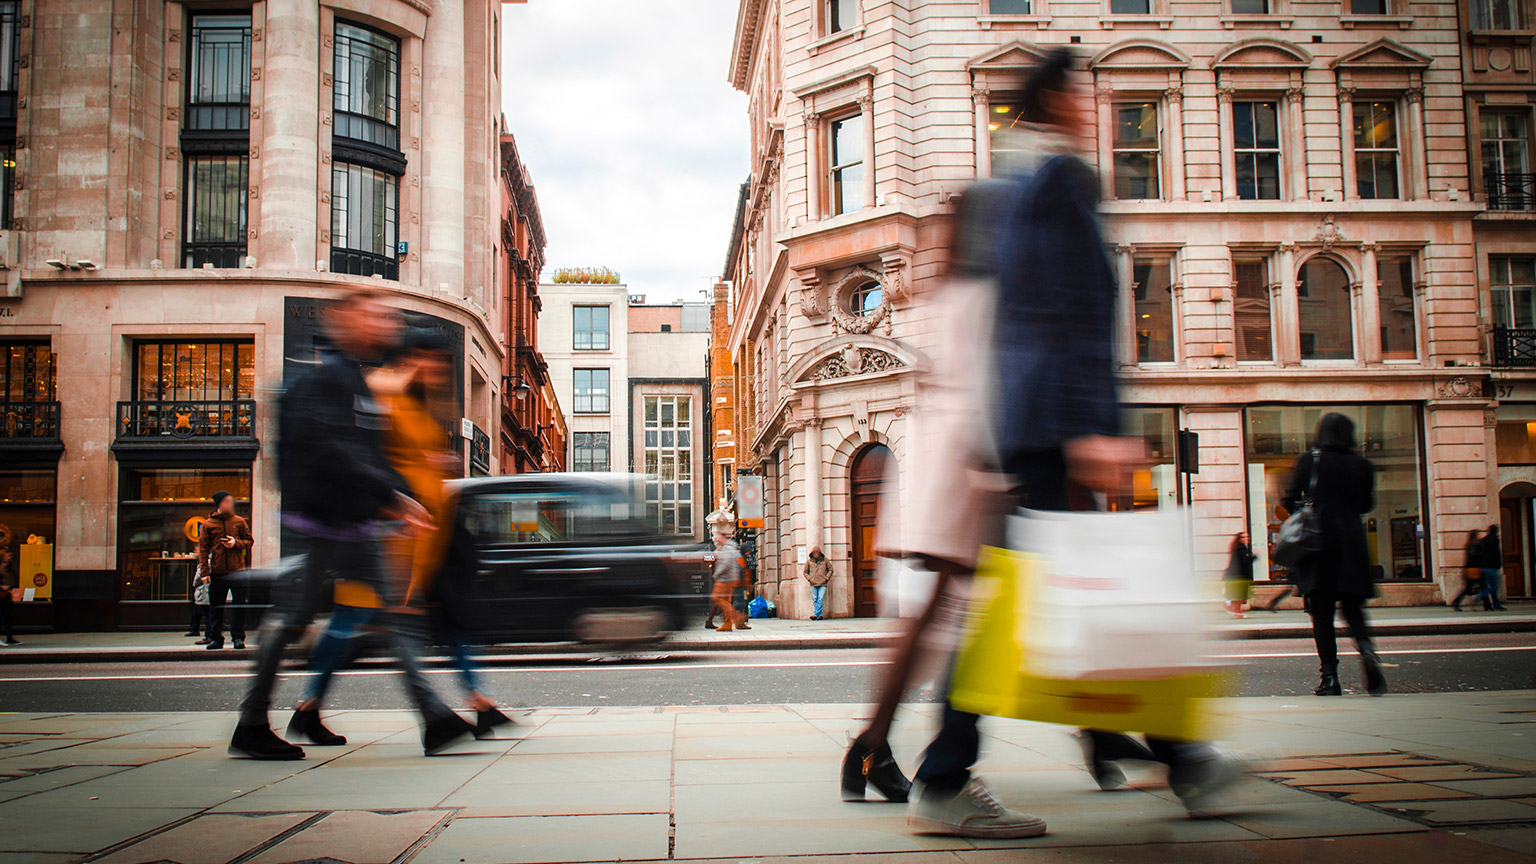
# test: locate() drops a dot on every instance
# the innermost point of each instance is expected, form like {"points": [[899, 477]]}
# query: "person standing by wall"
{"points": [[818, 572], [221, 546], [1338, 577], [1490, 559], [1472, 575]]}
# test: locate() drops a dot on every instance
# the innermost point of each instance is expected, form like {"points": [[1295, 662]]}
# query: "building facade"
{"points": [[1288, 195], [669, 417], [583, 330], [186, 186], [722, 398]]}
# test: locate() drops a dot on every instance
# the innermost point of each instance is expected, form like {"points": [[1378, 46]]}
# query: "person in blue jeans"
{"points": [[1490, 559], [818, 572]]}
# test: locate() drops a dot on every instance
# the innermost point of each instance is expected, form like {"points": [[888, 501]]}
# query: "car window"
{"points": [[555, 516]]}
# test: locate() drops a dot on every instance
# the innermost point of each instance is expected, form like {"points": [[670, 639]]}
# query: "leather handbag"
{"points": [[1301, 535]]}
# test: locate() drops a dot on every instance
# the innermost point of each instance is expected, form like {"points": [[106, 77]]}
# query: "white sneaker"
{"points": [[974, 812], [1203, 782]]}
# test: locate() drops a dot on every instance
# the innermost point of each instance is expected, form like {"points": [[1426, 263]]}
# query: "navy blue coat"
{"points": [[1054, 342]]}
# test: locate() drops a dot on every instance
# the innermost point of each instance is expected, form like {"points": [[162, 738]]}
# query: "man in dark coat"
{"points": [[339, 494], [1339, 574], [1490, 559], [222, 544]]}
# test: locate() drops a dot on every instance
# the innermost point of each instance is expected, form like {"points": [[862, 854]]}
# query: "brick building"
{"points": [[1288, 195]]}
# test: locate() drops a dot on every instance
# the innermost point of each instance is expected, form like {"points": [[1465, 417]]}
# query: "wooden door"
{"points": [[1515, 535], [868, 477]]}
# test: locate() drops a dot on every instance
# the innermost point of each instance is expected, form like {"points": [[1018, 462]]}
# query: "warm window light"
{"points": [[1002, 109], [1530, 429], [992, 126]]}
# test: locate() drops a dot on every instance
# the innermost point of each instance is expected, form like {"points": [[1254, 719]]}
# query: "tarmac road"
{"points": [[1272, 667]]}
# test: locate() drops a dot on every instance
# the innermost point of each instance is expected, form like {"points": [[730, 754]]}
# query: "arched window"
{"points": [[1323, 311], [865, 300]]}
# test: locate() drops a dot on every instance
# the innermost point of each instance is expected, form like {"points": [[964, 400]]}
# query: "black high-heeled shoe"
{"points": [[486, 722], [863, 766]]}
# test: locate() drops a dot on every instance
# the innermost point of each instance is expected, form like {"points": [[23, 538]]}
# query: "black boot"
{"points": [[1102, 750], [878, 766], [307, 723], [1375, 679], [440, 734], [1329, 685], [486, 722], [258, 741]]}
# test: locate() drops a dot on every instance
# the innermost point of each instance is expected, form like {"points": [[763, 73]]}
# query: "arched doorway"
{"points": [[868, 477], [1517, 527]]}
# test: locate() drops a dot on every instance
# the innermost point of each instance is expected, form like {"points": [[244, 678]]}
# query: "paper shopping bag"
{"points": [[1092, 620]]}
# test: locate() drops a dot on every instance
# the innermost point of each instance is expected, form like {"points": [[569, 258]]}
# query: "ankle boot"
{"points": [[875, 766], [1329, 685], [486, 722], [1375, 679], [307, 723]]}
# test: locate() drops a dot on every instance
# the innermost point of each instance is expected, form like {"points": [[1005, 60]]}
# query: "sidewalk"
{"points": [[769, 634], [1438, 778]]}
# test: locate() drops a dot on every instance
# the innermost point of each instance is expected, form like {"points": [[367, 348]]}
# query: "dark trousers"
{"points": [[235, 586], [7, 612], [197, 621], [1475, 589], [304, 584], [1321, 606]]}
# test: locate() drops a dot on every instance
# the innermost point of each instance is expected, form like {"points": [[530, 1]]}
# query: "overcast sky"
{"points": [[636, 142]]}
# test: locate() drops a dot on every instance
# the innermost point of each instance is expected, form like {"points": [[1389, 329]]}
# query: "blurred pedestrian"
{"points": [[818, 572], [1490, 559], [727, 576], [1338, 577], [340, 495], [1238, 577], [1472, 575], [8, 583], [201, 600], [221, 546]]}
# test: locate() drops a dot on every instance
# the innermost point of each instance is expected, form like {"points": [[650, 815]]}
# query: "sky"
{"points": [[636, 142]]}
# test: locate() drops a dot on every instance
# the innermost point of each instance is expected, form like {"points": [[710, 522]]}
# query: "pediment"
{"points": [[1013, 56], [1140, 54], [1262, 53], [854, 355], [1383, 54]]}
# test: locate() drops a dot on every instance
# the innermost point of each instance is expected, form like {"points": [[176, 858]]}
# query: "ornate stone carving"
{"points": [[855, 360], [1346, 94], [1459, 387], [845, 320], [1224, 95], [1414, 94], [1103, 95], [1328, 233], [1174, 94], [980, 95]]}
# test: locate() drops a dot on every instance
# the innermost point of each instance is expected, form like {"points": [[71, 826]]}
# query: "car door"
{"points": [[523, 548]]}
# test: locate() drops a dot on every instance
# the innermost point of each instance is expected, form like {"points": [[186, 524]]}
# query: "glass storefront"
{"points": [[158, 514], [1275, 436], [1156, 486], [26, 509]]}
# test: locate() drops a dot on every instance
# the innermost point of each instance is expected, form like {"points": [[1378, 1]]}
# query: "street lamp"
{"points": [[520, 389]]}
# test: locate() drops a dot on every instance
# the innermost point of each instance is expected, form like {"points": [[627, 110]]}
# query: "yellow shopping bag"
{"points": [[995, 674]]}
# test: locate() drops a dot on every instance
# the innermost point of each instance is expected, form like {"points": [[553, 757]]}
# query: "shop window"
{"points": [[159, 512], [1388, 435], [28, 396], [1399, 323], [668, 447], [1323, 311], [194, 371], [1153, 309], [1155, 485], [1250, 310], [1515, 442], [27, 509]]}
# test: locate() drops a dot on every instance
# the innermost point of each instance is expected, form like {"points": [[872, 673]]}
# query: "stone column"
{"points": [[982, 101], [1347, 142], [1296, 145], [1416, 146], [1288, 348], [815, 517], [867, 109], [1103, 98], [290, 182], [442, 145], [814, 210], [1228, 144], [1174, 141], [1125, 326], [1370, 304]]}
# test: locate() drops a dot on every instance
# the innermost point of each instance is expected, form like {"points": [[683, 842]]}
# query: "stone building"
{"points": [[189, 184], [722, 397], [1288, 196]]}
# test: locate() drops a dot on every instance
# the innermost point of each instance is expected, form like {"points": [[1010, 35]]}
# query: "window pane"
{"points": [[217, 194], [219, 78], [1251, 310], [1250, 7], [1136, 126], [847, 140], [848, 189], [1375, 125], [10, 51], [1390, 437], [1008, 7], [1323, 311], [1136, 150], [1153, 307], [1377, 175], [1399, 327], [1136, 176], [1367, 7], [1130, 7], [840, 15], [363, 210]]}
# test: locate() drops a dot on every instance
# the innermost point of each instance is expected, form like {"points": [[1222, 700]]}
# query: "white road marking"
{"points": [[679, 667]]}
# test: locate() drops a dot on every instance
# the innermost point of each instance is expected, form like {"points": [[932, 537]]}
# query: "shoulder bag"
{"points": [[1300, 537]]}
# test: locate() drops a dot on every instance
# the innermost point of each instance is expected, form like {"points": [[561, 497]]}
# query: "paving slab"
{"points": [[1392, 792], [1463, 812], [1500, 788], [213, 839], [534, 839], [47, 781], [354, 837], [1419, 847], [33, 829], [513, 796], [1522, 840]]}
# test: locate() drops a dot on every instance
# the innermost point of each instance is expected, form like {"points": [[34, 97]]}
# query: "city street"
{"points": [[1279, 667]]}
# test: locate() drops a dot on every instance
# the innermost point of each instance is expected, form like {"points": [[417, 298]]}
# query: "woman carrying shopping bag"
{"points": [[1239, 575], [1340, 483]]}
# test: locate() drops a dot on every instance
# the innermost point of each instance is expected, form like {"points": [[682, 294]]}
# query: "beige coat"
{"points": [[818, 573]]}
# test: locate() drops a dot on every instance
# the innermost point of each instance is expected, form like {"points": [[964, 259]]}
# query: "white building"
{"points": [[582, 329]]}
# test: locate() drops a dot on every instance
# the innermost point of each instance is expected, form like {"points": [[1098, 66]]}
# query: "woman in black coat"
{"points": [[1339, 575]]}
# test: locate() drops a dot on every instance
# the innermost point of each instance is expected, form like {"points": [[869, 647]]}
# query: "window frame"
{"points": [[1354, 312], [1168, 259], [835, 173], [1368, 102], [244, 347], [238, 110], [1508, 289], [1035, 11], [592, 440], [1255, 152], [1399, 356], [1486, 24], [654, 428], [577, 331], [1124, 100], [590, 398], [1266, 288], [352, 258], [1518, 194], [218, 251], [216, 139], [357, 127]]}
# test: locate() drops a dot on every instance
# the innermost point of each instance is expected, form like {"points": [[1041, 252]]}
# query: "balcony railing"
{"points": [[364, 264], [29, 421], [1514, 346], [195, 255], [187, 420], [1511, 191]]}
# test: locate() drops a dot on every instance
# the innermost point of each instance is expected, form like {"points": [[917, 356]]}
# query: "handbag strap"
{"points": [[1317, 462]]}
